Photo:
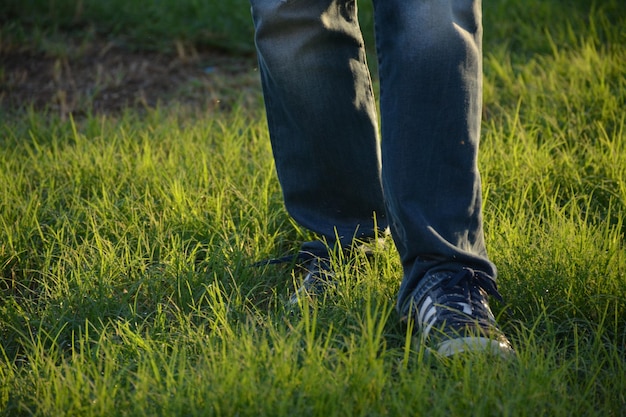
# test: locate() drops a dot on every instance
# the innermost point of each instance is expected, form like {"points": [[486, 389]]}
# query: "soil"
{"points": [[105, 78]]}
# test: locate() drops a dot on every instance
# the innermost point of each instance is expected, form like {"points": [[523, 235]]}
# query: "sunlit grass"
{"points": [[127, 245]]}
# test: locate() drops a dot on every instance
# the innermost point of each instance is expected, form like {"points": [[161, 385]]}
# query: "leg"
{"points": [[321, 115], [430, 69], [431, 81]]}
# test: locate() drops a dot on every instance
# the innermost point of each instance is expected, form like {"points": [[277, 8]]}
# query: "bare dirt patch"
{"points": [[105, 78]]}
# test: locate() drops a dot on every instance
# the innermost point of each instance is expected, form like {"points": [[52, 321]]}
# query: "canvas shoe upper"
{"points": [[452, 313], [318, 278]]}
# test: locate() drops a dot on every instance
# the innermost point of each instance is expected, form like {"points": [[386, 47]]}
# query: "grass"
{"points": [[126, 244], [45, 25]]}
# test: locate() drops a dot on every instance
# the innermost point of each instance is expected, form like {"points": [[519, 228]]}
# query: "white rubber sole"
{"points": [[475, 344]]}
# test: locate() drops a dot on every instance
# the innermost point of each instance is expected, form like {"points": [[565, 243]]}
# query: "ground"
{"points": [[102, 77]]}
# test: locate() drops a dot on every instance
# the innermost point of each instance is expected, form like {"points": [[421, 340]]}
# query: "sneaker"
{"points": [[453, 316], [313, 257], [319, 277], [319, 274]]}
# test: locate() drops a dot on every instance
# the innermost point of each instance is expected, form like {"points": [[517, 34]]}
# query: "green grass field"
{"points": [[126, 241]]}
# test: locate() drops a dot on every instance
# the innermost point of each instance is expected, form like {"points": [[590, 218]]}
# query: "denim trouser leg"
{"points": [[430, 64], [321, 115], [322, 123]]}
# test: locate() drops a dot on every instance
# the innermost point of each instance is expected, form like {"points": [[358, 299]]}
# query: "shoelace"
{"points": [[317, 250], [467, 276], [301, 257]]}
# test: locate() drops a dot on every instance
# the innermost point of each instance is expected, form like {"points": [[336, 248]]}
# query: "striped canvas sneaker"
{"points": [[319, 277], [453, 316]]}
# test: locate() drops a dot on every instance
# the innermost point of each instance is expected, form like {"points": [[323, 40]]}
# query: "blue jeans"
{"points": [[421, 178]]}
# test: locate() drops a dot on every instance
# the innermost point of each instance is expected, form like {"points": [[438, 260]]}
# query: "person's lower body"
{"points": [[324, 131]]}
